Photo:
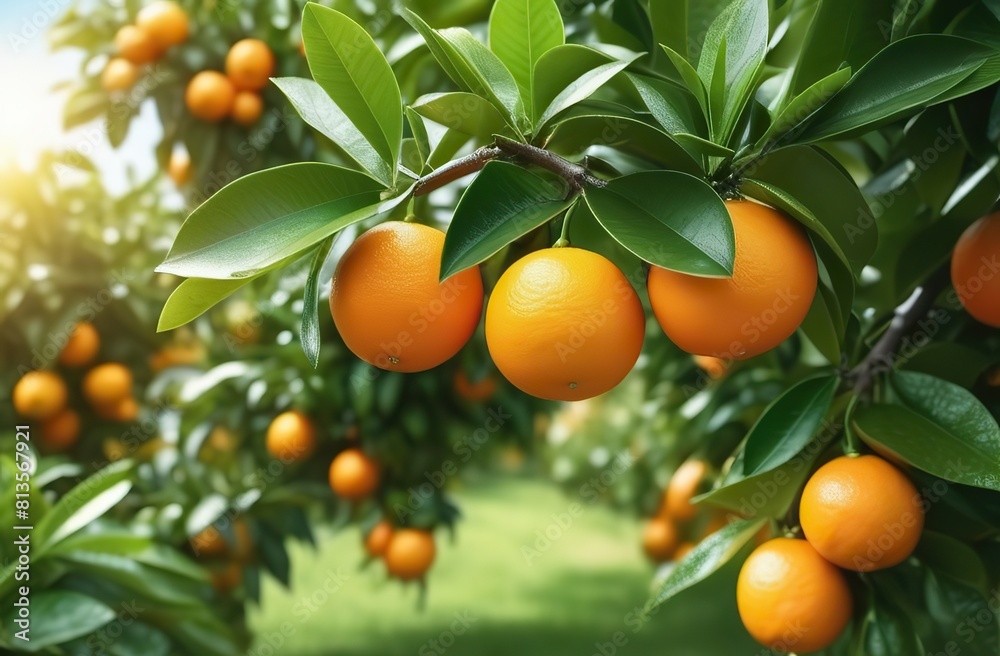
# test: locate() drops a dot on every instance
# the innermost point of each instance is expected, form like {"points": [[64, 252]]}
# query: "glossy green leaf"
{"points": [[560, 67], [465, 112], [690, 77], [887, 631], [682, 24], [950, 361], [788, 424], [669, 219], [582, 88], [193, 297], [58, 616], [823, 325], [316, 108], [802, 107], [265, 217], [705, 559], [905, 76], [309, 329], [124, 571], [83, 504], [953, 558], [521, 31], [347, 63], [669, 105], [504, 202], [768, 494], [973, 616]]}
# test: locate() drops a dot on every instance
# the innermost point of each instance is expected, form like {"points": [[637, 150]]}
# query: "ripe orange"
{"points": [[136, 45], [790, 598], [119, 74], [390, 308], [762, 304], [564, 324], [659, 539], [228, 577], [107, 384], [39, 394], [410, 553], [974, 269], [81, 347], [683, 549], [682, 487], [165, 22], [481, 390], [291, 437], [211, 542], [179, 167], [247, 108], [378, 539], [715, 367], [210, 96], [353, 475], [861, 513], [249, 64], [61, 431], [123, 410]]}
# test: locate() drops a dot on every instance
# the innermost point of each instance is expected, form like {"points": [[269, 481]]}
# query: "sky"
{"points": [[30, 112]]}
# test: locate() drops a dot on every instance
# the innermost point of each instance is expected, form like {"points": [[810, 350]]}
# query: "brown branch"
{"points": [[455, 170]]}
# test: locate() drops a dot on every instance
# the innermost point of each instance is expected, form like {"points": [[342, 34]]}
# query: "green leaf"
{"points": [[953, 558], [905, 76], [316, 108], [823, 325], [788, 424], [521, 31], [347, 63], [668, 104], [669, 219], [560, 67], [465, 112], [887, 631], [743, 29], [582, 88], [802, 107], [267, 216], [951, 361], [681, 24], [58, 616], [968, 615], [941, 428], [309, 331], [690, 77], [704, 560], [193, 298], [503, 203], [160, 586], [83, 504], [768, 494]]}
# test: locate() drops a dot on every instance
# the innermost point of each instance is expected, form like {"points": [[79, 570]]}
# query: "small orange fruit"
{"points": [[210, 96], [861, 513], [249, 64], [107, 384], [791, 599], [353, 475], [211, 542], [165, 22], [974, 270], [39, 395], [179, 167], [291, 437], [478, 391], [119, 74], [61, 431], [410, 553], [228, 577], [715, 367], [659, 539], [247, 108], [564, 324], [389, 305], [683, 549], [136, 45], [81, 347], [682, 488], [378, 539], [122, 410], [762, 304]]}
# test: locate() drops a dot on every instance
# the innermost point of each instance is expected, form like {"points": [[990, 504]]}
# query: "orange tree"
{"points": [[716, 161]]}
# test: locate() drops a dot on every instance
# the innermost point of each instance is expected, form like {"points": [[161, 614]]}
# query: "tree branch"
{"points": [[455, 170]]}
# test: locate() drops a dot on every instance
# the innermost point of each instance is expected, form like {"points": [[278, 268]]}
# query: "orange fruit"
{"points": [[975, 270], [481, 390], [211, 542], [682, 488], [861, 513], [119, 74], [228, 577], [210, 96], [291, 437], [61, 431], [165, 22], [353, 475], [81, 347], [389, 306], [715, 367], [790, 598], [107, 384], [762, 304], [410, 553], [249, 64], [136, 45], [377, 540], [123, 410], [179, 167], [39, 394], [247, 108], [659, 539], [564, 324], [683, 549]]}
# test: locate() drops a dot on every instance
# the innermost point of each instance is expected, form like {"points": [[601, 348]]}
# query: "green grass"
{"points": [[575, 595]]}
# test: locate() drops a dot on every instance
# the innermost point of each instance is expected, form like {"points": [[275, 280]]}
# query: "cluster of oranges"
{"points": [[564, 323], [158, 27], [857, 513], [213, 96], [43, 395]]}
